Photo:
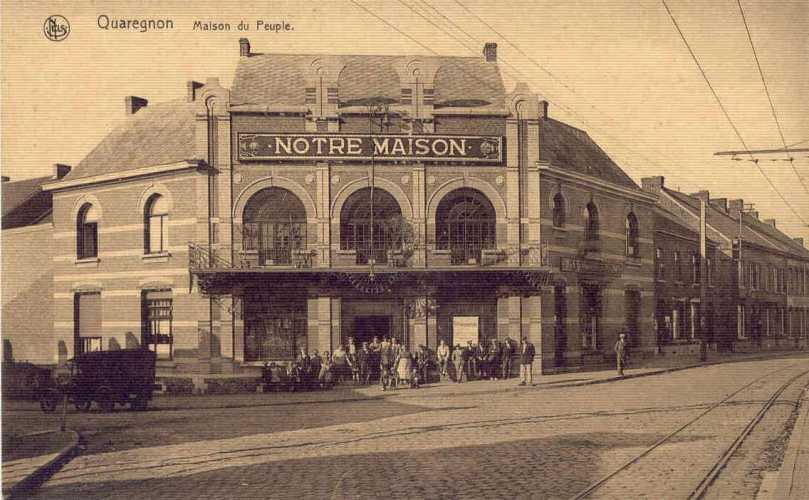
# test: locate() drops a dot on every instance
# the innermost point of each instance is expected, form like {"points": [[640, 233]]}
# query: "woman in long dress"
{"points": [[404, 368]]}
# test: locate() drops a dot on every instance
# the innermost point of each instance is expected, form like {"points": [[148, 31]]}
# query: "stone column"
{"points": [[238, 326], [422, 321], [321, 323], [531, 328], [512, 242], [508, 316], [421, 225], [321, 241]]}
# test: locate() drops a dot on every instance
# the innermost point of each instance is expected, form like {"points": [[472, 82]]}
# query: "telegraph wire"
{"points": [[521, 76], [769, 97], [727, 116]]}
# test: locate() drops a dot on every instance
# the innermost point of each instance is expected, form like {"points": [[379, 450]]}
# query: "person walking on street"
{"points": [[526, 362], [506, 354], [620, 354]]}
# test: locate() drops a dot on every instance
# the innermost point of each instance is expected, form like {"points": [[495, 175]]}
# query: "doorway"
{"points": [[368, 327]]}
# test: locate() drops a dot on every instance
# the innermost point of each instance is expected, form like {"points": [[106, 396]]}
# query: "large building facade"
{"points": [[326, 197]]}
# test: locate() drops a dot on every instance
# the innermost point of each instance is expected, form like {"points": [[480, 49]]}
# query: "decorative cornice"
{"points": [[591, 181], [127, 174]]}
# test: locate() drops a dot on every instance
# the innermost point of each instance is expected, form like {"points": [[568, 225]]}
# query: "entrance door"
{"points": [[368, 327]]}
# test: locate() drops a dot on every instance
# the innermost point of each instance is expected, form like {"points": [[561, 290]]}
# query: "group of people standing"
{"points": [[391, 364], [491, 360]]}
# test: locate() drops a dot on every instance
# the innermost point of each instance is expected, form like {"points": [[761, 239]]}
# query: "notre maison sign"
{"points": [[383, 147]]}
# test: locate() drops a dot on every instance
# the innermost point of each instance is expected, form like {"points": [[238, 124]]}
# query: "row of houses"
{"points": [[323, 197]]}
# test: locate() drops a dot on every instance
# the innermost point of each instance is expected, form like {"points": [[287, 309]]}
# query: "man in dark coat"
{"points": [[493, 359], [363, 359], [506, 354], [526, 362]]}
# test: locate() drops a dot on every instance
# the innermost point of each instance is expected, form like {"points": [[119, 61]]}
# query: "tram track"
{"points": [[700, 490]]}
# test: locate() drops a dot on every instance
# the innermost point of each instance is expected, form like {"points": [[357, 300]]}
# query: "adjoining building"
{"points": [[761, 297]]}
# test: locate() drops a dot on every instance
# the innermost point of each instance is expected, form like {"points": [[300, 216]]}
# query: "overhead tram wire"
{"points": [[727, 116], [521, 76], [554, 77], [769, 97]]}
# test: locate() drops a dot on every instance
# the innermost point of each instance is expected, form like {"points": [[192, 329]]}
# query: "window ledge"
{"points": [[87, 262], [561, 229], [156, 257]]}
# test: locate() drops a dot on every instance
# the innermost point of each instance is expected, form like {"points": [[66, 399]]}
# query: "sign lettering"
{"points": [[270, 147], [572, 265]]}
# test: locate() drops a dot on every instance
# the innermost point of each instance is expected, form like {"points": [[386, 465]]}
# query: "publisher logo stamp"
{"points": [[56, 28]]}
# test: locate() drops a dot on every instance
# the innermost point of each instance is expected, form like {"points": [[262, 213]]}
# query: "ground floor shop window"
{"points": [[157, 323], [274, 328]]}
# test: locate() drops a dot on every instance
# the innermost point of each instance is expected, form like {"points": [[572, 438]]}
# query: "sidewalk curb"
{"points": [[32, 481], [793, 452]]}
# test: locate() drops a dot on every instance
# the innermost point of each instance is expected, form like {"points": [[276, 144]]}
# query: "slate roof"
{"points": [[24, 202], [279, 79], [753, 230], [572, 149], [156, 135]]}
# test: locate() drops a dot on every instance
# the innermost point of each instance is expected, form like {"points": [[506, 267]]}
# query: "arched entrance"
{"points": [[371, 225]]}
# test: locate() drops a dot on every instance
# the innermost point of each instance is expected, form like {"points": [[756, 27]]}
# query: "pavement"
{"points": [[35, 469], [792, 481], [23, 475]]}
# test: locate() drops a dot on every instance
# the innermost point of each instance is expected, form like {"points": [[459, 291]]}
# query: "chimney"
{"points": [[735, 206], [720, 203], [770, 222], [798, 241], [191, 89], [490, 52], [6, 178], [543, 108], [653, 184], [703, 195], [133, 104], [60, 170], [244, 47]]}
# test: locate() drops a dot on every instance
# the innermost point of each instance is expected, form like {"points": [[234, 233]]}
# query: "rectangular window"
{"points": [[158, 234], [157, 323], [741, 332], [660, 269], [693, 319], [87, 322], [632, 309]]}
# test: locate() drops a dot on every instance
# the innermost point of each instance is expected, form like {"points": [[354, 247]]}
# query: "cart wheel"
{"points": [[105, 399], [49, 400], [139, 404], [82, 404]]}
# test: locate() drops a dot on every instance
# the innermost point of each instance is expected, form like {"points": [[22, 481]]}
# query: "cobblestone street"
{"points": [[548, 443]]}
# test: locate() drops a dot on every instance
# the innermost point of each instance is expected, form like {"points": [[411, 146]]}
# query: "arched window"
{"points": [[632, 247], [87, 232], [558, 210], [274, 225], [371, 225], [465, 225], [156, 225], [591, 224]]}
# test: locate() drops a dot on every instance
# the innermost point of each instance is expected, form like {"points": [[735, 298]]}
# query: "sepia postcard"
{"points": [[405, 249]]}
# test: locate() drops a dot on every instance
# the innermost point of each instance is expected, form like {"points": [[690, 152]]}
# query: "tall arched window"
{"points": [[558, 210], [156, 225], [274, 225], [591, 224], [87, 232], [465, 225], [632, 247], [371, 225]]}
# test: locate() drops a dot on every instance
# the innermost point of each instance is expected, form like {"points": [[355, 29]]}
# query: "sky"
{"points": [[617, 69]]}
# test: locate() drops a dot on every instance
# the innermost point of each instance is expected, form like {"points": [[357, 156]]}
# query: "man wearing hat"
{"points": [[526, 362]]}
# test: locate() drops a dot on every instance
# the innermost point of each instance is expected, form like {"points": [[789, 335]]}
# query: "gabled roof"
{"points": [[753, 230], [279, 79], [572, 149], [24, 202], [156, 135]]}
